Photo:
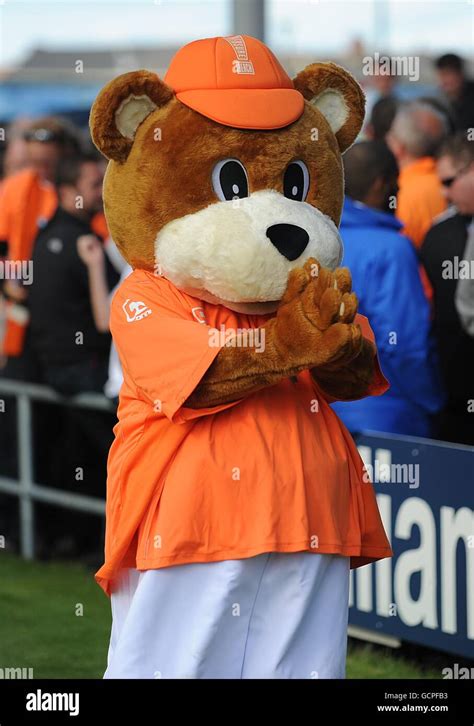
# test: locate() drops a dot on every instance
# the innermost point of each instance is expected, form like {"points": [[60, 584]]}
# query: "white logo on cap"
{"points": [[242, 64]]}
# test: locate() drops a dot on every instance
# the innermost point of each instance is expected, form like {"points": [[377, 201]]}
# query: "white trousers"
{"points": [[276, 615]]}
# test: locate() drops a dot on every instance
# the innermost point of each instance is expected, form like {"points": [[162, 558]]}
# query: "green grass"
{"points": [[367, 661], [39, 627]]}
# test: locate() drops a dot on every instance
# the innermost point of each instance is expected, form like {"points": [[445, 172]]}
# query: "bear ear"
{"points": [[337, 95], [120, 108]]}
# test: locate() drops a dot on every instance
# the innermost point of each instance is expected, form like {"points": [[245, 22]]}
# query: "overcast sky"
{"points": [[298, 25]]}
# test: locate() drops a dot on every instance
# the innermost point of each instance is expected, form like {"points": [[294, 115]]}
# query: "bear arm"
{"points": [[353, 380], [237, 372]]}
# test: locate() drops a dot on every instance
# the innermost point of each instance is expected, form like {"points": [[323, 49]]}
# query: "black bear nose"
{"points": [[289, 239]]}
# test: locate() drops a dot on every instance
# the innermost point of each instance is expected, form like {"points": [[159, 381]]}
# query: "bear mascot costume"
{"points": [[237, 501]]}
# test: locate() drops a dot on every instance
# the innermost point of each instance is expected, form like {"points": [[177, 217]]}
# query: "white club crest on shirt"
{"points": [[135, 310], [199, 315]]}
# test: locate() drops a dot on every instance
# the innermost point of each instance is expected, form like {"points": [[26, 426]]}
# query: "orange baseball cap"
{"points": [[236, 81]]}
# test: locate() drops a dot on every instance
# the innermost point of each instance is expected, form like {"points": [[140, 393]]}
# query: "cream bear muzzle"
{"points": [[241, 251]]}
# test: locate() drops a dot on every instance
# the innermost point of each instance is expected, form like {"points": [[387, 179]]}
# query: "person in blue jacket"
{"points": [[386, 279]]}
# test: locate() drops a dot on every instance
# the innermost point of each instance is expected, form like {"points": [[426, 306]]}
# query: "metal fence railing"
{"points": [[24, 487]]}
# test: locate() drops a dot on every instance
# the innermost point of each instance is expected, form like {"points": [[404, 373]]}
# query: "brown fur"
{"points": [[350, 381], [317, 77], [167, 179], [308, 332], [143, 190], [165, 173], [104, 132]]}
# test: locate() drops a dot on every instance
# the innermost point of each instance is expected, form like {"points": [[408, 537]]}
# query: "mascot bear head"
{"points": [[227, 174]]}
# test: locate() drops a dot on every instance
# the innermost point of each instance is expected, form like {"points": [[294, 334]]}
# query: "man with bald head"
{"points": [[415, 136]]}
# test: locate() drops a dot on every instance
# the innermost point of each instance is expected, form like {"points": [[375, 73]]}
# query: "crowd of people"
{"points": [[55, 318], [408, 237]]}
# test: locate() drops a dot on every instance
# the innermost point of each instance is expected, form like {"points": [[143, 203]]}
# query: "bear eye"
{"points": [[229, 180], [296, 181]]}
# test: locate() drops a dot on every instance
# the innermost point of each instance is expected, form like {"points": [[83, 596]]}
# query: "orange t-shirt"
{"points": [[24, 203], [27, 202], [420, 198], [275, 471]]}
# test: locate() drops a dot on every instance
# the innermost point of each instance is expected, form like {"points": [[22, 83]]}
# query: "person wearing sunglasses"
{"points": [[29, 197], [461, 190], [442, 253], [49, 141], [455, 170], [28, 201]]}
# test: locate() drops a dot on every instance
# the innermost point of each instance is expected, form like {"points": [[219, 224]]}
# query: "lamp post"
{"points": [[249, 18]]}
